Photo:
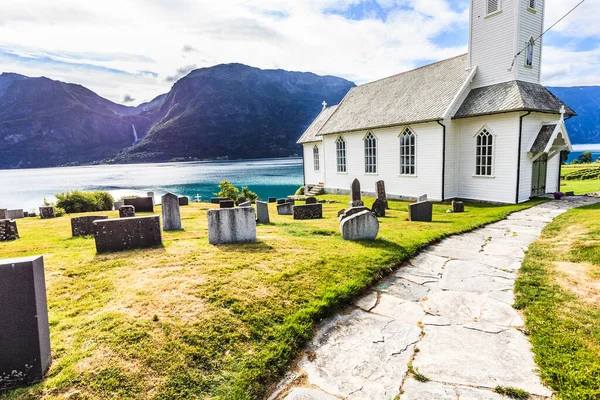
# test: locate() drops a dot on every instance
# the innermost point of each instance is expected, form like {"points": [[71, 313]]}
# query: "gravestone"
{"points": [[8, 230], [3, 213], [360, 226], [262, 212], [381, 195], [15, 214], [25, 336], [151, 195], [422, 197], [119, 204], [231, 225], [32, 214], [217, 200], [458, 206], [245, 204], [184, 201], [141, 204], [285, 209], [379, 207], [25, 214], [311, 200], [84, 226], [127, 212], [226, 204], [421, 211], [170, 212], [308, 211], [355, 194], [282, 201], [47, 212], [127, 233], [272, 199], [240, 200]]}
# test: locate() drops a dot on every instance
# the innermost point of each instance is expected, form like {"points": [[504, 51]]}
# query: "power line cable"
{"points": [[543, 33]]}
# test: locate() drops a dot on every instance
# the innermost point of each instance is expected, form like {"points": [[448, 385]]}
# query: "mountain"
{"points": [[236, 111], [585, 100]]}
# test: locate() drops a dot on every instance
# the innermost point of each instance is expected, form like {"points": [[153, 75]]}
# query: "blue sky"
{"points": [[132, 50]]}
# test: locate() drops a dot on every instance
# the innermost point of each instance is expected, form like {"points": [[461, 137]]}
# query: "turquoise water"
{"points": [[27, 188]]}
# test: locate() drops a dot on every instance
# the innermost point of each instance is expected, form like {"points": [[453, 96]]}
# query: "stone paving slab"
{"points": [[308, 394]]}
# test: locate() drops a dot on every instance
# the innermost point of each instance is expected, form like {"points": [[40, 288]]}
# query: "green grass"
{"points": [[416, 374], [558, 290], [580, 178], [511, 392], [580, 187], [191, 320]]}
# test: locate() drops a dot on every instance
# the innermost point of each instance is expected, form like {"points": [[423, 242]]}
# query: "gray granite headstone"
{"points": [[8, 230], [285, 209], [170, 212], [311, 200], [141, 204], [47, 212], [308, 211], [25, 336], [361, 226], [127, 233], [351, 211], [15, 214], [422, 197], [84, 226], [226, 204], [151, 195], [381, 195], [127, 212], [379, 207], [262, 212], [245, 204], [458, 206], [421, 211], [355, 200], [231, 225], [3, 213]]}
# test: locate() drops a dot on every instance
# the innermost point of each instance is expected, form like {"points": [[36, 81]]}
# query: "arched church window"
{"points": [[485, 153]]}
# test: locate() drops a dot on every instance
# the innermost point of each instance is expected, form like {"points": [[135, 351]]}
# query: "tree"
{"points": [[228, 190], [249, 194], [585, 157], [564, 156]]}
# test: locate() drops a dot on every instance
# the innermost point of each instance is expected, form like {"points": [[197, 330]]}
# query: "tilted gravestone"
{"points": [[360, 226], [8, 230], [141, 204], [217, 200], [311, 200], [226, 204], [308, 211], [381, 195], [47, 212], [421, 211], [422, 197], [25, 336], [262, 212], [458, 206], [3, 213], [15, 214], [241, 200], [184, 201], [379, 207], [231, 225], [355, 194], [285, 209], [272, 199], [170, 212], [127, 212], [118, 204], [245, 204], [127, 233], [84, 226]]}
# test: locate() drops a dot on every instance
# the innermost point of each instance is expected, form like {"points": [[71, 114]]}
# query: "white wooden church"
{"points": [[478, 126]]}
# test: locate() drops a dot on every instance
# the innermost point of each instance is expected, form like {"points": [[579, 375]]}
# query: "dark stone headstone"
{"points": [[381, 195], [25, 214], [379, 207], [308, 211], [226, 203], [170, 212], [262, 212], [127, 212], [355, 200], [32, 214], [282, 201], [421, 211], [458, 206], [217, 200], [15, 214], [240, 200], [245, 204], [569, 193], [184, 201], [25, 336], [311, 200], [127, 233], [231, 225], [341, 213], [3, 213], [285, 209], [84, 226], [141, 204], [8, 230], [272, 199], [47, 212]]}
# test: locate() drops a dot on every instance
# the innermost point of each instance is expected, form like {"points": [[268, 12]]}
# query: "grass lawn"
{"points": [[579, 186], [192, 320], [558, 288]]}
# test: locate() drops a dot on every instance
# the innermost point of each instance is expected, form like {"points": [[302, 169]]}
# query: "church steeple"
{"points": [[499, 29]]}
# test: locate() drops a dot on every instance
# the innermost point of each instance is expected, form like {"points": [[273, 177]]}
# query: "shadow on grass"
{"points": [[251, 247]]}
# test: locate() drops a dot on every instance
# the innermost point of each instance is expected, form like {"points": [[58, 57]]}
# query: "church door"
{"points": [[538, 181]]}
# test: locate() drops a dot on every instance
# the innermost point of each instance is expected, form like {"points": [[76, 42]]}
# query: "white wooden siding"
{"points": [[530, 26], [429, 162], [552, 178], [501, 186], [451, 160], [312, 177]]}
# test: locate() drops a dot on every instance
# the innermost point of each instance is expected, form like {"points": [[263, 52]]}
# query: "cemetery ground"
{"points": [[558, 291], [192, 320]]}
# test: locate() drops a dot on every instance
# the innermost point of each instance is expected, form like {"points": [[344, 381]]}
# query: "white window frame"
{"points": [[529, 53], [497, 10], [340, 155], [483, 150], [408, 153], [370, 155], [316, 161]]}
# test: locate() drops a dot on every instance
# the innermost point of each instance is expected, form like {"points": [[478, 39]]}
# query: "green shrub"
{"points": [[59, 212], [78, 201], [300, 191], [249, 194], [129, 196], [228, 190]]}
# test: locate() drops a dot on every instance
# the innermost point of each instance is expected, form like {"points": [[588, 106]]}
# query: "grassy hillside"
{"points": [[192, 320], [580, 178]]}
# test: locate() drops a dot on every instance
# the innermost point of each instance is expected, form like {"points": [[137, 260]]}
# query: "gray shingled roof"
{"points": [[543, 138], [420, 95], [310, 135], [510, 96]]}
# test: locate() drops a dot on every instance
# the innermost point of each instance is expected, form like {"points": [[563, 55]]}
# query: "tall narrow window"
{"points": [[485, 152], [340, 152], [408, 153], [532, 4], [316, 157], [529, 53], [370, 154], [493, 6]]}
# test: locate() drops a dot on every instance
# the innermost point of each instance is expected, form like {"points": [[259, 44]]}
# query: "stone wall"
{"points": [[84, 226], [127, 233]]}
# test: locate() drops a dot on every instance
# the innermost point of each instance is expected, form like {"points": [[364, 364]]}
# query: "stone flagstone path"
{"points": [[448, 312]]}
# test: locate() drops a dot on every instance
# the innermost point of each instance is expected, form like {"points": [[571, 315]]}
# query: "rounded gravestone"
{"points": [[170, 212], [361, 226]]}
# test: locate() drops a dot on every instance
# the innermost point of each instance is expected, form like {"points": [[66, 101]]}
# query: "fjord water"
{"points": [[27, 188]]}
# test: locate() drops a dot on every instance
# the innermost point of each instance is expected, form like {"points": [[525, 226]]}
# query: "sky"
{"points": [[130, 51]]}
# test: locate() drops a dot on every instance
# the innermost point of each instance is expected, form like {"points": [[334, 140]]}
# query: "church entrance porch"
{"points": [[538, 180]]}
